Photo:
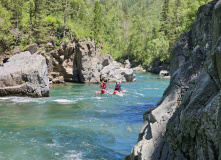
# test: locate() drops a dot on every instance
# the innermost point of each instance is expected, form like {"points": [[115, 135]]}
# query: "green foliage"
{"points": [[6, 39], [177, 17], [51, 22], [97, 22], [4, 19], [138, 30]]}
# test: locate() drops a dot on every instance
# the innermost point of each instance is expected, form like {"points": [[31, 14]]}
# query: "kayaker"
{"points": [[103, 85], [118, 86]]}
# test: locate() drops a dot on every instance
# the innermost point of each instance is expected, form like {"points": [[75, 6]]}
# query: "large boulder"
{"points": [[111, 74], [24, 75], [129, 76], [93, 65]]}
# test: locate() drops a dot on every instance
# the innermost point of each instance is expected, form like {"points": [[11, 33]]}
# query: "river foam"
{"points": [[64, 101]]}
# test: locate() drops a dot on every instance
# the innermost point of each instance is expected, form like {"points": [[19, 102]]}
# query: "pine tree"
{"points": [[165, 19], [97, 21]]}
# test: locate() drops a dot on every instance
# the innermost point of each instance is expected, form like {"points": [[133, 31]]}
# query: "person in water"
{"points": [[103, 85], [118, 87]]}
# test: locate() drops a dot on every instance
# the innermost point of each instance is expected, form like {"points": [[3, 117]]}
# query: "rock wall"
{"points": [[63, 63], [24, 75], [184, 123]]}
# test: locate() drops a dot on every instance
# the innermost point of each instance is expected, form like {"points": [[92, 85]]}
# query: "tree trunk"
{"points": [[78, 12], [17, 18], [36, 9], [127, 36], [30, 14]]}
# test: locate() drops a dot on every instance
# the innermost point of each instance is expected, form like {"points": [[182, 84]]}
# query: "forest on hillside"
{"points": [[138, 30]]}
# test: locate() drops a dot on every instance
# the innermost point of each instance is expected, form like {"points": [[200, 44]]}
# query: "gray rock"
{"points": [[139, 69], [58, 80], [129, 76], [87, 61], [94, 66], [127, 64], [24, 75], [32, 48]]}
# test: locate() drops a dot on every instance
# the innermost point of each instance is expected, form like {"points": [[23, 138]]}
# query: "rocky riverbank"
{"points": [[186, 122], [80, 61]]}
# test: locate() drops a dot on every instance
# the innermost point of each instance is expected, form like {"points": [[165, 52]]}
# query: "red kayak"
{"points": [[103, 91], [115, 92]]}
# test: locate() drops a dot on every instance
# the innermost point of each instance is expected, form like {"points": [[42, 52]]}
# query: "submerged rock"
{"points": [[24, 75]]}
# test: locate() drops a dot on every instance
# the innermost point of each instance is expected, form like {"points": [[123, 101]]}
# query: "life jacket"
{"points": [[104, 85], [117, 86]]}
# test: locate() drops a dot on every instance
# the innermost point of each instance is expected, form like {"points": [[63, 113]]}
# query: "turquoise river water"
{"points": [[75, 123]]}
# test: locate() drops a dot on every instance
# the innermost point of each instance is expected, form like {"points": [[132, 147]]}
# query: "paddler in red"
{"points": [[118, 86], [103, 85]]}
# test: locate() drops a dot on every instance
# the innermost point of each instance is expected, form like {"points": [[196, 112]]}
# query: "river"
{"points": [[75, 123]]}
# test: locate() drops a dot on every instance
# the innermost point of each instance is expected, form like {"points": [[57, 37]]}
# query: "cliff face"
{"points": [[186, 122]]}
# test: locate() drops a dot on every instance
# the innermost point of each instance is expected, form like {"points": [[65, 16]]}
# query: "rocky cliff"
{"points": [[186, 122], [82, 61]]}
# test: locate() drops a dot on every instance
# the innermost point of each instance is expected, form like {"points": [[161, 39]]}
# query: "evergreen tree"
{"points": [[97, 21], [165, 19]]}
